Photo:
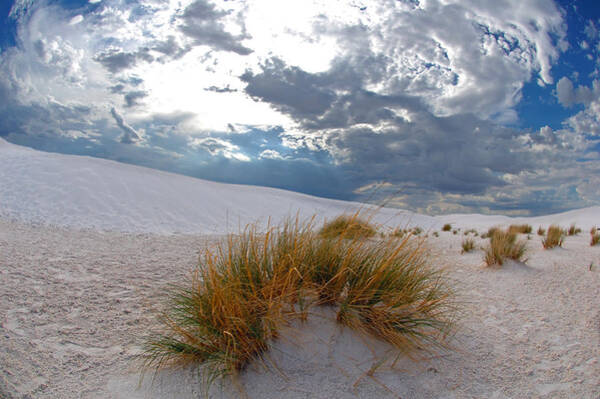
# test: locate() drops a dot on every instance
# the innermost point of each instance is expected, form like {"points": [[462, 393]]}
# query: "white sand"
{"points": [[74, 300], [73, 304]]}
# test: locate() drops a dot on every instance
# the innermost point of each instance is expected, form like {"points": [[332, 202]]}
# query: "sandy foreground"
{"points": [[74, 303]]}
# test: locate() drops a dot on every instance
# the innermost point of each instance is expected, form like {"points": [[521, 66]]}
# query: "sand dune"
{"points": [[85, 192]]}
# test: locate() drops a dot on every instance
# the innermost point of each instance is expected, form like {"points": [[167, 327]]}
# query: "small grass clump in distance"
{"points": [[503, 245], [251, 284], [520, 229], [447, 227], [468, 245], [347, 226], [595, 239], [573, 230], [554, 237], [541, 231], [398, 233], [490, 232]]}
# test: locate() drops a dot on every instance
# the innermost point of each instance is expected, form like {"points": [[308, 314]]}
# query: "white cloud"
{"points": [[270, 154], [217, 146], [76, 19]]}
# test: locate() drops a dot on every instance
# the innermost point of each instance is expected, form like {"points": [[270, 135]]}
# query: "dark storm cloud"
{"points": [[290, 90], [129, 136], [394, 138], [170, 48], [201, 23], [132, 98], [116, 61]]}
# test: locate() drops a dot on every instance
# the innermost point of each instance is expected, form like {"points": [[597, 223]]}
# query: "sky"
{"points": [[436, 106]]}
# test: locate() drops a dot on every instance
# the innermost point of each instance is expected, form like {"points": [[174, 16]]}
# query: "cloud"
{"points": [[216, 146], [115, 60], [326, 98], [203, 23], [129, 136], [220, 89], [132, 98], [76, 19], [568, 96], [270, 154], [399, 140]]}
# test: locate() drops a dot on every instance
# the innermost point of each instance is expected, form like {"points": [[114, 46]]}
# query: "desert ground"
{"points": [[75, 303]]}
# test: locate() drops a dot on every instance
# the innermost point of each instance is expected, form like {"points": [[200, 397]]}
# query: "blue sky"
{"points": [[437, 106]]}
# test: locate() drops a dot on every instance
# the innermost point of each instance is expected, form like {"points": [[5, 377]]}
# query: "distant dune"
{"points": [[86, 192]]}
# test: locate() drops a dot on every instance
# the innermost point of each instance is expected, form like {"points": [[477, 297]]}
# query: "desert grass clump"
{"points": [[416, 230], [593, 230], [347, 226], [447, 227], [233, 304], [251, 284], [490, 232], [541, 231], [398, 233], [503, 245], [520, 229], [595, 239], [392, 292], [468, 245], [573, 230], [554, 237]]}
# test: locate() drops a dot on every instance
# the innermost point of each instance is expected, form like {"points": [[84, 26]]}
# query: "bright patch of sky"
{"points": [[485, 106]]}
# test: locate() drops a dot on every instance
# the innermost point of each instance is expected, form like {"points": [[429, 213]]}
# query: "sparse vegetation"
{"points": [[490, 232], [541, 231], [554, 237], [573, 230], [436, 234], [595, 239], [398, 233], [454, 232], [347, 226], [417, 230], [468, 245], [447, 227], [520, 229], [251, 284], [593, 230], [503, 245]]}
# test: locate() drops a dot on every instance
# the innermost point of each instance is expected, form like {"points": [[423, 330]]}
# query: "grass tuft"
{"points": [[447, 227], [554, 237], [468, 245], [251, 284], [573, 230], [490, 232], [503, 245], [347, 226], [541, 231], [520, 229], [595, 239]]}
